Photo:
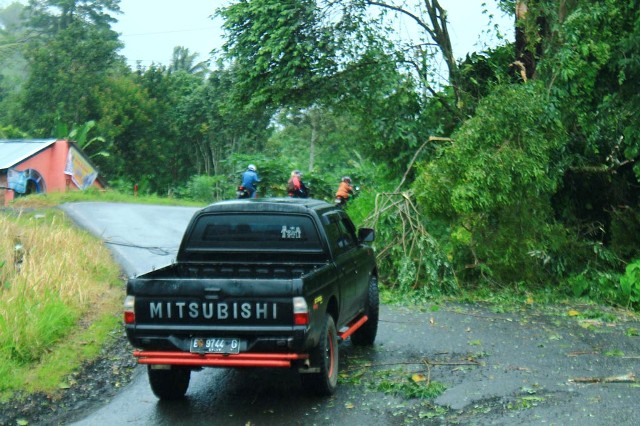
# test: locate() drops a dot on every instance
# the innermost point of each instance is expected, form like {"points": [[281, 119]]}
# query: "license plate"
{"points": [[215, 345]]}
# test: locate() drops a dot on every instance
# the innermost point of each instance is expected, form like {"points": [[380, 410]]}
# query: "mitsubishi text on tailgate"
{"points": [[256, 283]]}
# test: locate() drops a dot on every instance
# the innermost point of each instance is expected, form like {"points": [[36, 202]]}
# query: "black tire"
{"points": [[325, 357], [366, 335], [169, 384]]}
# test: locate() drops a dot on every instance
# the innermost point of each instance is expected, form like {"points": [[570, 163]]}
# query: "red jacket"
{"points": [[296, 188]]}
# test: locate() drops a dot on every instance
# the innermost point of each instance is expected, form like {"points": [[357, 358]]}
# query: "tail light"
{"points": [[129, 312], [300, 311]]}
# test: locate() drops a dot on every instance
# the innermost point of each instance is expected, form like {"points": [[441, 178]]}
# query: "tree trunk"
{"points": [[440, 34], [531, 34], [314, 139], [436, 28]]}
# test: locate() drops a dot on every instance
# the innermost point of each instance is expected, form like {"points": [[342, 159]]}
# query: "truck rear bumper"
{"points": [[244, 359], [218, 360]]}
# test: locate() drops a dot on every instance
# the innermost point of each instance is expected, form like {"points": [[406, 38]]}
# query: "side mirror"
{"points": [[366, 235]]}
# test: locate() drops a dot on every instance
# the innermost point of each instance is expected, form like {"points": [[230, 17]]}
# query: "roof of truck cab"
{"points": [[277, 205]]}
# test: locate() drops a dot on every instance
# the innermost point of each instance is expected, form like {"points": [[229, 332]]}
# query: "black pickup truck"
{"points": [[256, 283]]}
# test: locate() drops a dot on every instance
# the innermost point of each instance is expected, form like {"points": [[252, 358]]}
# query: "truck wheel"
{"points": [[366, 335], [325, 357], [169, 384]]}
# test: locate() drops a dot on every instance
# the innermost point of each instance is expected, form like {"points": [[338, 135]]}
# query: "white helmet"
{"points": [[251, 167]]}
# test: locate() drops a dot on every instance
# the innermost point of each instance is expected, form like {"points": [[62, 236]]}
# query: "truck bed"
{"points": [[211, 270]]}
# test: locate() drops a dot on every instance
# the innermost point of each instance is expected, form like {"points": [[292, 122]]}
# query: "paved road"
{"points": [[524, 367]]}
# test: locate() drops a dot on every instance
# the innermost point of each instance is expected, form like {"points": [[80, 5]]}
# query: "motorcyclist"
{"points": [[345, 191], [295, 187], [249, 179]]}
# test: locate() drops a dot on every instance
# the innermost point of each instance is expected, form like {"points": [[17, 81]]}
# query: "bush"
{"points": [[493, 185], [630, 285], [599, 286], [203, 188]]}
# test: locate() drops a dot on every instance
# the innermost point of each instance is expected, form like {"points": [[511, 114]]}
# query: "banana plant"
{"points": [[80, 135]]}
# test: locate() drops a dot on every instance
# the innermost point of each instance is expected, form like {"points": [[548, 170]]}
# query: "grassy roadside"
{"points": [[56, 198], [60, 293]]}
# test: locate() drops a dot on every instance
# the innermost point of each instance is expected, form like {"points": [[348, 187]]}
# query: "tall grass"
{"points": [[53, 199], [53, 278]]}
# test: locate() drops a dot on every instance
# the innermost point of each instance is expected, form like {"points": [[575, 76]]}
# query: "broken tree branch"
{"points": [[626, 378]]}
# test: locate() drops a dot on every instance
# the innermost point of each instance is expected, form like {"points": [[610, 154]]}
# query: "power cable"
{"points": [[163, 251], [169, 32]]}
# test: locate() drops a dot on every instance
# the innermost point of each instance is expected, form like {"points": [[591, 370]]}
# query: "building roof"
{"points": [[14, 151]]}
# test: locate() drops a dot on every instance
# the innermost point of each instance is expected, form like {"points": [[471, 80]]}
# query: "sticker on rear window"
{"points": [[291, 232]]}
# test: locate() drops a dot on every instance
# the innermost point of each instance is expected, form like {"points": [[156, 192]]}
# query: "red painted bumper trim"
{"points": [[246, 359], [353, 327]]}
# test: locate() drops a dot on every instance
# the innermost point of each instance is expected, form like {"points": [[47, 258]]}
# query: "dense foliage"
{"points": [[541, 185], [496, 178], [518, 168]]}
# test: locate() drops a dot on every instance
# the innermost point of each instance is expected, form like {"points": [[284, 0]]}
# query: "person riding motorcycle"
{"points": [[295, 187], [345, 191], [247, 188]]}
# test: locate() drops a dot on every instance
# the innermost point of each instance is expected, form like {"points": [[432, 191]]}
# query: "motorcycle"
{"points": [[242, 192], [300, 193], [340, 202]]}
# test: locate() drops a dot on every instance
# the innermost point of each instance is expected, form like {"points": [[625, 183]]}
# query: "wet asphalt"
{"points": [[529, 366]]}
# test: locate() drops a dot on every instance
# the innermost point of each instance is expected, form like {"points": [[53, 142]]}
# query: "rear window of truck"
{"points": [[254, 232]]}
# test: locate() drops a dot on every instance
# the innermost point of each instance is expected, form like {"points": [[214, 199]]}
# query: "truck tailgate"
{"points": [[215, 304]]}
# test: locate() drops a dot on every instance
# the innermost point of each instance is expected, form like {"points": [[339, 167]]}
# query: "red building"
{"points": [[30, 166]]}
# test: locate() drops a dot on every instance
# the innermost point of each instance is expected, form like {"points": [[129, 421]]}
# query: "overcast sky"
{"points": [[150, 29]]}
